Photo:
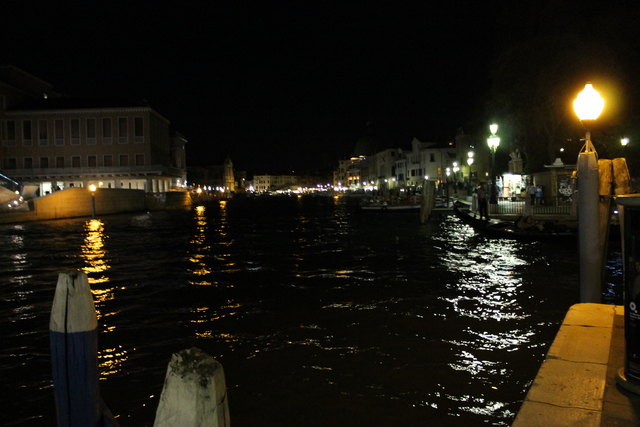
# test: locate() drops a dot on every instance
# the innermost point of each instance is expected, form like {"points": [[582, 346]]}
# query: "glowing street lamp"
{"points": [[92, 188], [588, 106], [624, 141], [493, 141]]}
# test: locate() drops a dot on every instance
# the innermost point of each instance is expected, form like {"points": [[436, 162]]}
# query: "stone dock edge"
{"points": [[576, 384]]}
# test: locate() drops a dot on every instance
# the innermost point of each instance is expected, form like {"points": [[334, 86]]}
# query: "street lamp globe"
{"points": [[624, 141], [493, 143], [92, 188], [589, 104]]}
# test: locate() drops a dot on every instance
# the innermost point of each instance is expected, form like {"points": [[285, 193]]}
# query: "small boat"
{"points": [[386, 207], [522, 228]]}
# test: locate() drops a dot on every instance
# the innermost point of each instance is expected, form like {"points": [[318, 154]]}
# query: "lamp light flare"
{"points": [[624, 141], [589, 104]]}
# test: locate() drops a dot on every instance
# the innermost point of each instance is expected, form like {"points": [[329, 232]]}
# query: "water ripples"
{"points": [[381, 318]]}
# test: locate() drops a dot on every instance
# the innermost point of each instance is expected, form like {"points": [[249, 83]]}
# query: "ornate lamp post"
{"points": [[469, 162], [493, 141], [92, 188]]}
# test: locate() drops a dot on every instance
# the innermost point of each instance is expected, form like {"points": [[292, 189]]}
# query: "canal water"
{"points": [[320, 314]]}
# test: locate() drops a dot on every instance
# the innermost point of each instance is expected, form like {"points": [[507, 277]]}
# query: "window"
{"points": [[28, 163], [75, 131], [124, 160], [92, 161], [44, 132], [59, 130], [44, 163], [60, 162], [27, 140], [122, 130], [138, 123], [107, 132], [10, 163], [91, 131], [75, 161], [10, 133], [139, 159], [107, 160], [432, 157]]}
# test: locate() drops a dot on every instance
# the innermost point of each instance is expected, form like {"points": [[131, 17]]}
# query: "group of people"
{"points": [[534, 192]]}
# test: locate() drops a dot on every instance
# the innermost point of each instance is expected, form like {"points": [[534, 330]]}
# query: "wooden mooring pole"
{"points": [[74, 355]]}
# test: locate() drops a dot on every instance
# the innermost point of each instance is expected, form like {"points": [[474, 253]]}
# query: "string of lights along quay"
{"points": [[319, 313]]}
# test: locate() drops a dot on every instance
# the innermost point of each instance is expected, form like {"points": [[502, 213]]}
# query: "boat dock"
{"points": [[577, 383]]}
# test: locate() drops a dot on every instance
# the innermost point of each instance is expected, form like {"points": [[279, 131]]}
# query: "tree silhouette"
{"points": [[542, 65]]}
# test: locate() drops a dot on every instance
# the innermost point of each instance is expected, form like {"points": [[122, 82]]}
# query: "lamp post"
{"points": [[92, 188], [588, 106], [493, 141], [469, 162]]}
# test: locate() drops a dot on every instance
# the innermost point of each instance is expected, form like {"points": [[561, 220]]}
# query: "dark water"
{"points": [[320, 315]]}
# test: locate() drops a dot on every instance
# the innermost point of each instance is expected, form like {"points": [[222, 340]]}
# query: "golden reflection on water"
{"points": [[95, 256], [207, 315], [199, 254], [110, 360]]}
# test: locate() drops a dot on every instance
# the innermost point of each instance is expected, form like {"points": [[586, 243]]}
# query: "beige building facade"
{"points": [[49, 143]]}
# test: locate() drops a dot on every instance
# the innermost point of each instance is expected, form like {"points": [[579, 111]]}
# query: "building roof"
{"points": [[77, 104]]}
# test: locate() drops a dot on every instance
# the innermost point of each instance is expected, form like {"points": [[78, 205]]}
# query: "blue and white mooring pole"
{"points": [[74, 354]]}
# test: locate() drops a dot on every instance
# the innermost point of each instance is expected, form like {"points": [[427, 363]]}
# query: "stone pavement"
{"points": [[577, 383]]}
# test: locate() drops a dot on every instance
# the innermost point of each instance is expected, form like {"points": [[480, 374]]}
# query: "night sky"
{"points": [[278, 86]]}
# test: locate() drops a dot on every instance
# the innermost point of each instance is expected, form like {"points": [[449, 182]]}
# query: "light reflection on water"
{"points": [[96, 259], [380, 318]]}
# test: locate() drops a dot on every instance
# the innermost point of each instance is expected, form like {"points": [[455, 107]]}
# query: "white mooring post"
{"points": [[74, 354], [194, 393]]}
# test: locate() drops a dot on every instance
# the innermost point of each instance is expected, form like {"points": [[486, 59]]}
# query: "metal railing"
{"points": [[559, 205]]}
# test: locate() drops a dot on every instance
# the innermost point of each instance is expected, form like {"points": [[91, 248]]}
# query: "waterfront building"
{"points": [[217, 178], [393, 168], [50, 142], [340, 175], [264, 183]]}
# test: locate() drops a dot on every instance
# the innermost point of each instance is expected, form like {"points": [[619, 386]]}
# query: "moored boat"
{"points": [[522, 228], [386, 207]]}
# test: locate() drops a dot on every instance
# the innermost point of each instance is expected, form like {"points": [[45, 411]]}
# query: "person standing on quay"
{"points": [[483, 206], [532, 194], [539, 195]]}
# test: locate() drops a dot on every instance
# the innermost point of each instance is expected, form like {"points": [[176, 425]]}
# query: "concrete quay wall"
{"points": [[76, 202], [576, 384]]}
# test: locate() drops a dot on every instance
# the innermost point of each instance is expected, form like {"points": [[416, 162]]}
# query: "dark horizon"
{"points": [[274, 86]]}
